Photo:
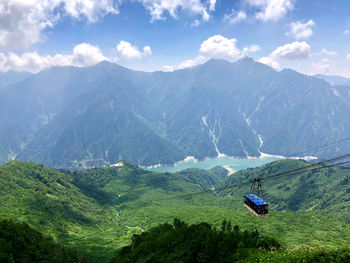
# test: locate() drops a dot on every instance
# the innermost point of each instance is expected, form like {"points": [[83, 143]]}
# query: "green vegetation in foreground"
{"points": [[201, 242], [20, 243], [99, 210], [326, 190], [180, 242]]}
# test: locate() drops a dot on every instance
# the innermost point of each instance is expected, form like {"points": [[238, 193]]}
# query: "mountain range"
{"points": [[69, 117], [334, 80]]}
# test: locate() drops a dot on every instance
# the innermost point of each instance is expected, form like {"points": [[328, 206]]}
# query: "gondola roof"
{"points": [[255, 199]]}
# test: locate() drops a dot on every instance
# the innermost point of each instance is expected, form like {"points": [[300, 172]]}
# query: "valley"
{"points": [[174, 131], [75, 207], [227, 162], [94, 116]]}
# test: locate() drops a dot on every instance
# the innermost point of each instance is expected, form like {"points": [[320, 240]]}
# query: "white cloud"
{"points": [[329, 67], [346, 32], [325, 66], [271, 10], [329, 53], [128, 51], [86, 55], [216, 46], [147, 51], [270, 62], [295, 50], [291, 51], [212, 4], [301, 31], [195, 23], [83, 55], [235, 17], [159, 8], [251, 49], [220, 47], [187, 63], [91, 9], [348, 56], [21, 22], [205, 16]]}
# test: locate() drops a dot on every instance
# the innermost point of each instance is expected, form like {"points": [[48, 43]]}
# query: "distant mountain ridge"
{"points": [[12, 77], [80, 117], [334, 80]]}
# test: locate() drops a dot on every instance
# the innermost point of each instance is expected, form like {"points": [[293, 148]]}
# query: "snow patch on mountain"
{"points": [[213, 133]]}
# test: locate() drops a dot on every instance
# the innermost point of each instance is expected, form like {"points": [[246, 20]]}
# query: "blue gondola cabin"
{"points": [[256, 205]]}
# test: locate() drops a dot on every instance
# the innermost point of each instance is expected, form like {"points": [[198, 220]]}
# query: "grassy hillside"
{"points": [[325, 191], [20, 243], [98, 210], [180, 242]]}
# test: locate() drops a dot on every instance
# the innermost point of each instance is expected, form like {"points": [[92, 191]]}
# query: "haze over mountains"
{"points": [[334, 80], [81, 117]]}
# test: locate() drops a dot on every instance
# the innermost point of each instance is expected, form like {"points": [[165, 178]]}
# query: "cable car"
{"points": [[253, 202], [256, 205]]}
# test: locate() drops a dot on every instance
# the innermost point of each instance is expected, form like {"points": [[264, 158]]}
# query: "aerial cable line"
{"points": [[313, 169], [287, 173], [321, 146], [248, 182], [346, 156]]}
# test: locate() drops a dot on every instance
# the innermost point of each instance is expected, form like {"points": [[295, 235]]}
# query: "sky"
{"points": [[310, 36]]}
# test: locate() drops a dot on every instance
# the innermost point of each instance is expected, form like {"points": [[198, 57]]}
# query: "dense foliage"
{"points": [[185, 243], [99, 210], [326, 190], [180, 242], [302, 255], [21, 243]]}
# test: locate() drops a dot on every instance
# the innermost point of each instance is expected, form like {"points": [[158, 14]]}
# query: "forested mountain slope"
{"points": [[76, 207], [84, 117]]}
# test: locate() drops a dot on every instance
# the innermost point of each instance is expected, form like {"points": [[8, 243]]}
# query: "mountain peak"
{"points": [[246, 59], [216, 61]]}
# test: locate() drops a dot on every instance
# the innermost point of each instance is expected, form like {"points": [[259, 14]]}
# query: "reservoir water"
{"points": [[233, 163]]}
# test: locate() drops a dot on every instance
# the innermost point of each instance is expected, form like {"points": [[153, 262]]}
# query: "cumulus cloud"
{"points": [[291, 51], [329, 53], [271, 10], [220, 47], [128, 51], [147, 51], [187, 63], [251, 49], [21, 22], [83, 55], [295, 50], [325, 66], [301, 30], [159, 8], [235, 17], [212, 4], [270, 62], [328, 66], [86, 55], [216, 46]]}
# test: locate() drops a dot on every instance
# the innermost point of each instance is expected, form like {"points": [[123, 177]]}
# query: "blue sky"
{"points": [[309, 36]]}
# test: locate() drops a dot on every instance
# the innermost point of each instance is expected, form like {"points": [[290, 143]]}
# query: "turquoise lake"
{"points": [[234, 163]]}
